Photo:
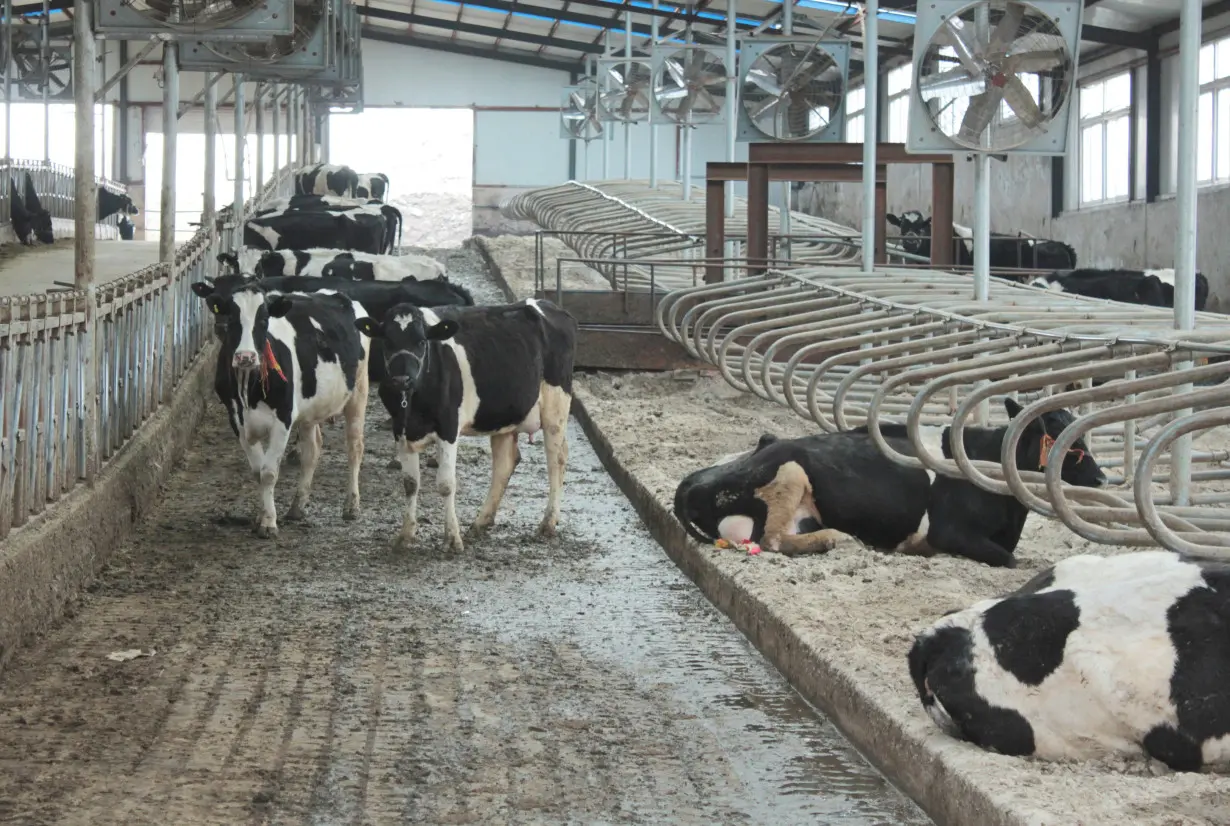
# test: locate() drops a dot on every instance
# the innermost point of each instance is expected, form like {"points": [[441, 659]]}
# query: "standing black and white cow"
{"points": [[797, 496], [1154, 288], [29, 219], [495, 371], [1007, 251], [302, 230], [110, 203], [330, 263], [361, 212], [292, 360], [1092, 657], [325, 179], [374, 185]]}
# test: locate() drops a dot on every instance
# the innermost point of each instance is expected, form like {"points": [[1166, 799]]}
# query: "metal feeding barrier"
{"points": [[54, 184], [845, 348], [149, 327]]}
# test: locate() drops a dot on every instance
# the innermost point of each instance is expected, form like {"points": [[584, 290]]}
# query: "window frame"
{"points": [[858, 114], [1101, 121], [901, 96]]}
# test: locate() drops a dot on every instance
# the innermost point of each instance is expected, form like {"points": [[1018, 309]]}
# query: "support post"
{"points": [[943, 183], [239, 140], [757, 217], [982, 226], [882, 215], [123, 125], [1186, 244], [606, 133], [732, 93], [277, 135], [45, 54], [628, 124], [259, 103], [871, 117], [784, 215], [8, 83], [85, 209], [211, 153], [715, 228], [653, 122], [170, 135]]}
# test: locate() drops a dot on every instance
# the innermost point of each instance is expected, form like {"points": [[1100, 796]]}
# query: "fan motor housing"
{"points": [[319, 56], [924, 136], [753, 48], [118, 20]]}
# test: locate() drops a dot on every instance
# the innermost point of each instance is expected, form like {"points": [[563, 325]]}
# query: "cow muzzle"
{"points": [[399, 383], [245, 360]]}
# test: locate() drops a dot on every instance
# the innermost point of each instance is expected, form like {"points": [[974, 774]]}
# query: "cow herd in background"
{"points": [[313, 311]]}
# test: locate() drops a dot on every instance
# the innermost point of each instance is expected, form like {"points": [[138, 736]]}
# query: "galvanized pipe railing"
{"points": [[844, 348], [42, 423], [55, 186]]}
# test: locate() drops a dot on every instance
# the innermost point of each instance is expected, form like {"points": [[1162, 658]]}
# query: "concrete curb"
{"points": [[917, 767], [47, 562]]}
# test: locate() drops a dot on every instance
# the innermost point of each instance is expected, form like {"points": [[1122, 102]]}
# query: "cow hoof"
{"points": [[453, 544], [394, 464], [404, 541], [478, 530], [547, 528], [295, 513], [350, 511], [267, 531]]}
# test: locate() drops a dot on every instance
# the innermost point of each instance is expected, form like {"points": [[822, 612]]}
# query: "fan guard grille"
{"points": [[308, 17], [791, 91], [690, 85], [194, 14]]}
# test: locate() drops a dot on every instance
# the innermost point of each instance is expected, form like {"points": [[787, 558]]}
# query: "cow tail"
{"points": [[681, 513]]}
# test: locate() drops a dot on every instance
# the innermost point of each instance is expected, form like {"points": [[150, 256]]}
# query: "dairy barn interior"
{"points": [[869, 360]]}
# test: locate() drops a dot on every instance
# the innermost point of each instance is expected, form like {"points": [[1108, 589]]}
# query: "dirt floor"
{"points": [[322, 678]]}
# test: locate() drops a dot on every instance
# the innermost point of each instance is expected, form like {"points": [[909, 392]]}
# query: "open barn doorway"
{"points": [[428, 155]]}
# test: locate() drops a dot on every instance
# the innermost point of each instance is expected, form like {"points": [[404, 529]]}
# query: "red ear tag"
{"points": [[1047, 444]]}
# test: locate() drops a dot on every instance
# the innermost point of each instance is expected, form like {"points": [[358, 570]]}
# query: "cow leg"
{"points": [[446, 485], [408, 455], [505, 456], [948, 539], [789, 492], [268, 525], [355, 413], [309, 457], [816, 542], [554, 406], [254, 452]]}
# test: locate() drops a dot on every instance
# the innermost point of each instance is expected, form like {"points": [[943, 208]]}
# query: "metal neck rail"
{"points": [[843, 349], [149, 327]]}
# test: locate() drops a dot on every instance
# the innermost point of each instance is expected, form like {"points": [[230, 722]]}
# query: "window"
{"points": [[1213, 136], [856, 103], [899, 82], [27, 136], [1105, 139]]}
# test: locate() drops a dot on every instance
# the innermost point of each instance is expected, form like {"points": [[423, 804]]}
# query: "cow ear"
{"points": [[279, 306], [368, 327], [766, 439], [1012, 407], [223, 257], [444, 330], [893, 219], [203, 288], [215, 303]]}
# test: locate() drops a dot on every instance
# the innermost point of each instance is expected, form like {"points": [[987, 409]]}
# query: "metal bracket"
{"points": [[120, 73]]}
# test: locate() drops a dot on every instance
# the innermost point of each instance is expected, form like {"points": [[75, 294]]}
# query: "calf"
{"points": [[110, 203], [374, 185], [1095, 655], [1007, 251], [324, 179], [797, 495], [297, 360], [29, 219], [495, 371]]}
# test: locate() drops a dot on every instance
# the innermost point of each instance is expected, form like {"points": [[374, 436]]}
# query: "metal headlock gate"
{"points": [[842, 348], [54, 183]]}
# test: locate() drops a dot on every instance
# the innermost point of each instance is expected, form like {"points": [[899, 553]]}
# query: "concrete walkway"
{"points": [[25, 270]]}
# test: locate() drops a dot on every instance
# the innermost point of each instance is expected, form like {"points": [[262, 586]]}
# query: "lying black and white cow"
{"points": [[798, 496], [292, 360], [1154, 288], [1007, 251], [110, 203], [325, 179], [374, 185], [495, 371], [29, 219], [1092, 657], [357, 266]]}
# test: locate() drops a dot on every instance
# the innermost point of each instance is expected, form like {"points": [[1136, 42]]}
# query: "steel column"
{"points": [[784, 215], [628, 124], [277, 136], [758, 217], [239, 141], [259, 102], [85, 210], [871, 117], [653, 122], [45, 47], [732, 94], [715, 228], [943, 184], [982, 226], [8, 81], [170, 135], [211, 151]]}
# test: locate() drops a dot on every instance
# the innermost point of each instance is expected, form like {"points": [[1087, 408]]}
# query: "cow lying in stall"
{"points": [[29, 219], [1153, 288], [292, 360], [1093, 656], [326, 179], [1007, 251], [798, 496], [356, 266], [474, 371]]}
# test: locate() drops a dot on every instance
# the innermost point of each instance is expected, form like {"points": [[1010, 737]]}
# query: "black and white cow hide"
{"points": [[374, 185], [110, 203], [291, 360], [30, 220], [1154, 288], [358, 231], [310, 205], [326, 179], [330, 263], [495, 371], [796, 496], [1094, 656], [1007, 251]]}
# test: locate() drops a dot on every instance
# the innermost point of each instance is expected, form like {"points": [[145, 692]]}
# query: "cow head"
{"points": [[247, 311], [219, 287], [229, 262], [40, 219], [407, 337], [914, 227], [1079, 466], [705, 497], [270, 265]]}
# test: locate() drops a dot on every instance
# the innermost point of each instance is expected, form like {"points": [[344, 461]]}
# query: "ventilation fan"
{"points": [[37, 70], [993, 76], [202, 19], [792, 90], [689, 85], [578, 113], [309, 50], [627, 89]]}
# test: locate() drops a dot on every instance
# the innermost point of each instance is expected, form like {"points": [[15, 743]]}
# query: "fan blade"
{"points": [[761, 79], [711, 105], [1036, 61], [766, 106], [803, 61], [944, 81], [673, 94], [982, 108], [1019, 100], [676, 72], [954, 31], [576, 100], [1005, 33]]}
